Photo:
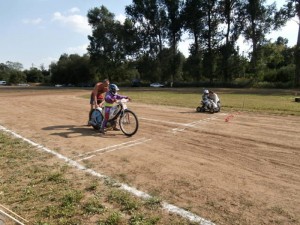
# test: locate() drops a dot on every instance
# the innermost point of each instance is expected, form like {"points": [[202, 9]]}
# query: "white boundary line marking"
{"points": [[8, 211], [141, 140], [164, 121], [185, 125], [10, 217], [169, 207], [112, 148]]}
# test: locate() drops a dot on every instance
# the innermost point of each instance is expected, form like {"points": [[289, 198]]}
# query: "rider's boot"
{"points": [[114, 126], [90, 118], [103, 126], [102, 131]]}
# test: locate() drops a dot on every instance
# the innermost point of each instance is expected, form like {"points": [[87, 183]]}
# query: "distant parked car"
{"points": [[24, 85], [2, 82], [58, 85], [156, 85]]}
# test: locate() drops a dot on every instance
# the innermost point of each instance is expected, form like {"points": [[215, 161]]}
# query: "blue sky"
{"points": [[36, 32]]}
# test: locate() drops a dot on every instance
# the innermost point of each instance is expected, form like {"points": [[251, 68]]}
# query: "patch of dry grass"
{"points": [[45, 191]]}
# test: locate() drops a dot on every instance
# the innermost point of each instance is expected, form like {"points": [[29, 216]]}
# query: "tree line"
{"points": [[145, 46]]}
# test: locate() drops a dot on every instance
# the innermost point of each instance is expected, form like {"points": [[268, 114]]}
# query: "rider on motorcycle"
{"points": [[215, 99], [211, 100], [205, 99], [110, 97]]}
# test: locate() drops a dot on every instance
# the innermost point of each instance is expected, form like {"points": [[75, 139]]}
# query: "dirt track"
{"points": [[244, 171]]}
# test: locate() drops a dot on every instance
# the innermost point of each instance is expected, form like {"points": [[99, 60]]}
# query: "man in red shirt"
{"points": [[97, 96]]}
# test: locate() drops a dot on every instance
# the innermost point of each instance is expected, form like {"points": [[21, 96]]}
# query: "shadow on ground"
{"points": [[71, 131]]}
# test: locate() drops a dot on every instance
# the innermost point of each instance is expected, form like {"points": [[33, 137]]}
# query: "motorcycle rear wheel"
{"points": [[99, 119]]}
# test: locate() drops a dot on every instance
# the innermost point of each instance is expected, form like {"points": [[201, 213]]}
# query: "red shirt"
{"points": [[101, 89]]}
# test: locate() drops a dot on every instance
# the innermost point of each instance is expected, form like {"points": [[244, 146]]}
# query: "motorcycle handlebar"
{"points": [[123, 100]]}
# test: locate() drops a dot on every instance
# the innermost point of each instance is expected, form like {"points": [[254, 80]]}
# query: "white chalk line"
{"points": [[107, 148], [185, 125], [164, 121], [111, 149], [193, 124], [169, 207]]}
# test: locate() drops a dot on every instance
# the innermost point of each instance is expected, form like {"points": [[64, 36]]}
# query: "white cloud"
{"points": [[74, 10], [289, 31], [80, 50], [184, 45], [78, 23], [32, 21], [121, 18]]}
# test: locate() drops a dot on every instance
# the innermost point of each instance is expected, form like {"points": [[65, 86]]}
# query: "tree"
{"points": [[11, 72], [193, 23], [149, 17], [107, 49], [260, 19], [232, 16], [14, 65], [291, 9], [174, 29], [211, 36], [193, 16], [34, 75], [4, 69], [72, 69], [132, 42], [16, 77]]}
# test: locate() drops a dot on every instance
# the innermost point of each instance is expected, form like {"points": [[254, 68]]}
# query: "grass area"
{"points": [[45, 191], [280, 102]]}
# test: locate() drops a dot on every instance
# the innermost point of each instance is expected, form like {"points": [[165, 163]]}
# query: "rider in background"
{"points": [[214, 97], [110, 97], [97, 96], [205, 98]]}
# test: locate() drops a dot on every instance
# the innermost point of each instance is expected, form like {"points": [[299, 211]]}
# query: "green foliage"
{"points": [[34, 75], [153, 203], [127, 202], [151, 18], [93, 206], [111, 42], [16, 77], [56, 177], [71, 69], [259, 21], [142, 220], [113, 219], [284, 74], [144, 47]]}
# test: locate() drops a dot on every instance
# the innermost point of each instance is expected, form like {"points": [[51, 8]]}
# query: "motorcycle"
{"points": [[209, 107], [120, 114]]}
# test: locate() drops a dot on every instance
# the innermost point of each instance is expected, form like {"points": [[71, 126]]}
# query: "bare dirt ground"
{"points": [[244, 171]]}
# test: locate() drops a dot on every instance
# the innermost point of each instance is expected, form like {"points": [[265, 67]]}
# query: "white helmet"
{"points": [[205, 91]]}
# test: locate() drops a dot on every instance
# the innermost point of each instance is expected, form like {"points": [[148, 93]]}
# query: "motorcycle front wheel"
{"points": [[128, 122]]}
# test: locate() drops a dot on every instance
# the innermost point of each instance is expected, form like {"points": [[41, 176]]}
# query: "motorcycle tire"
{"points": [[128, 122], [96, 127], [99, 119]]}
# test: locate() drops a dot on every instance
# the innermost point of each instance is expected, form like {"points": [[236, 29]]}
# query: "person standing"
{"points": [[97, 96]]}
